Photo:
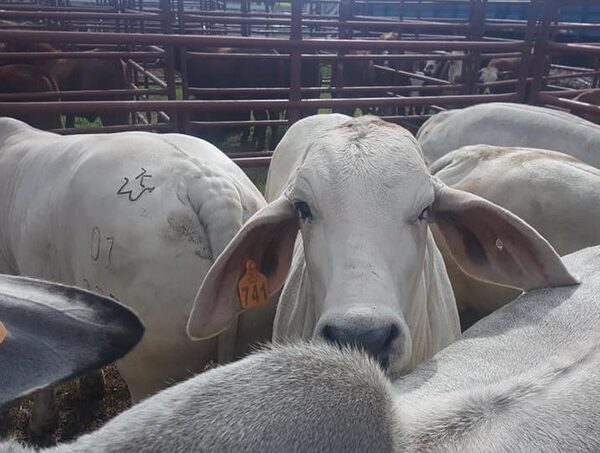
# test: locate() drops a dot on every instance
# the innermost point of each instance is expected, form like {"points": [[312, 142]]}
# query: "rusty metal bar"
{"points": [[248, 162], [148, 74], [559, 47], [5, 14], [333, 57], [238, 124], [324, 89], [110, 129], [19, 108], [568, 103], [78, 55], [276, 43], [566, 92], [571, 76], [29, 95]]}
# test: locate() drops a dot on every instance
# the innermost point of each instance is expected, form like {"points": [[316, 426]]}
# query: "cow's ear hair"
{"points": [[267, 241], [493, 245], [52, 332]]}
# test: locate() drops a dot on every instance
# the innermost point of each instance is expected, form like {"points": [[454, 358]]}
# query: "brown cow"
{"points": [[499, 69], [353, 73], [77, 75], [23, 78], [589, 97], [218, 72]]}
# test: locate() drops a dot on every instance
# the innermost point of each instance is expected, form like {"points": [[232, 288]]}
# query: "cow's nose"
{"points": [[375, 342]]}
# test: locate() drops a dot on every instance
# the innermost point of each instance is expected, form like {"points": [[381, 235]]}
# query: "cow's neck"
{"points": [[295, 318], [434, 319]]}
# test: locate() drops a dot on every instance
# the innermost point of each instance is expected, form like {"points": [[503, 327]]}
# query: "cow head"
{"points": [[362, 200], [488, 74], [432, 68]]}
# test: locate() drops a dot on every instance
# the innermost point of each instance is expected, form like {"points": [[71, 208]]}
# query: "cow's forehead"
{"points": [[365, 151]]}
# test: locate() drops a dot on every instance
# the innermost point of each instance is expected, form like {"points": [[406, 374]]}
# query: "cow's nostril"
{"points": [[376, 342]]}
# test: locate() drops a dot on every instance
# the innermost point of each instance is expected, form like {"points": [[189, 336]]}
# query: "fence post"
{"points": [[183, 119], [296, 60], [540, 57], [473, 62], [245, 8], [533, 16], [344, 32], [165, 6]]}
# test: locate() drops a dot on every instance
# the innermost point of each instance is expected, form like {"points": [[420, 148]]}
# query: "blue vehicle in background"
{"points": [[582, 13]]}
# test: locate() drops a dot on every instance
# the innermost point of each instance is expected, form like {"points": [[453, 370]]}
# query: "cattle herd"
{"points": [[436, 292]]}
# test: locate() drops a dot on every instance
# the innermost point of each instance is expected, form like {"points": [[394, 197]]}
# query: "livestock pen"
{"points": [[275, 67]]}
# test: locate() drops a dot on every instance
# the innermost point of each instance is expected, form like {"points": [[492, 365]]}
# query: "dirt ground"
{"points": [[75, 416]]}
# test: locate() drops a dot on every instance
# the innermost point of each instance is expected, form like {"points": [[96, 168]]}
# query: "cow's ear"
{"points": [[491, 244], [52, 332], [261, 250]]}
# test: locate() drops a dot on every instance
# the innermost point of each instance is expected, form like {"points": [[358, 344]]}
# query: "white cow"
{"points": [[523, 379], [135, 215], [364, 268], [551, 191], [505, 124]]}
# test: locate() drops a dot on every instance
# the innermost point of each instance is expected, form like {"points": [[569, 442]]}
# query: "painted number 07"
{"points": [[96, 245]]}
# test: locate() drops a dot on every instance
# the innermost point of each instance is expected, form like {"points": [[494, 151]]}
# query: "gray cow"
{"points": [[523, 379]]}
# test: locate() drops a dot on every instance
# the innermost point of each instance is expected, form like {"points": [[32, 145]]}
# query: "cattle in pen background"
{"points": [[71, 74]]}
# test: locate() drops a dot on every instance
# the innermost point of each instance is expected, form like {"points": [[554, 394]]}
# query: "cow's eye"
{"points": [[303, 210], [425, 215]]}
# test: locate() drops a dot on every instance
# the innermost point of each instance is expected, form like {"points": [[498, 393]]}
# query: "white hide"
{"points": [[553, 192], [506, 124], [134, 215]]}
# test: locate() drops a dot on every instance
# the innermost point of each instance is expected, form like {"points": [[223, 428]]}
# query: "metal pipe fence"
{"points": [[294, 63]]}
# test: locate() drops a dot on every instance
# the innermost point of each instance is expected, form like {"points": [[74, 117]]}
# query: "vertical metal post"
{"points": [[533, 16], [184, 118], [180, 19], [596, 68], [344, 32], [165, 6], [245, 10], [540, 63], [296, 60], [473, 62]]}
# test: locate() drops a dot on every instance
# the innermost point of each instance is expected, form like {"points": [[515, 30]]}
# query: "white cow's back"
{"points": [[505, 124], [135, 215]]}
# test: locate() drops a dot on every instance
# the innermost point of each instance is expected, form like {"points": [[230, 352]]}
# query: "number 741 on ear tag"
{"points": [[253, 287]]}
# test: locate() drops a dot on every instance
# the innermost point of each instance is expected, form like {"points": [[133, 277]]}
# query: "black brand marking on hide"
{"points": [[95, 251], [140, 179], [97, 246]]}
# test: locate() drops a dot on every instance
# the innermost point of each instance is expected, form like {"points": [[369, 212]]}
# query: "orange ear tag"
{"points": [[2, 332], [253, 287]]}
